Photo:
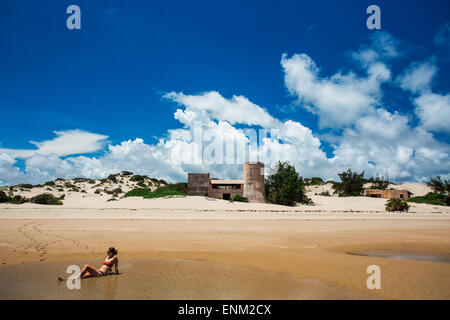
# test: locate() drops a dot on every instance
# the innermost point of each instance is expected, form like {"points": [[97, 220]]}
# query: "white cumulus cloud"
{"points": [[434, 111], [338, 100], [66, 143], [417, 78]]}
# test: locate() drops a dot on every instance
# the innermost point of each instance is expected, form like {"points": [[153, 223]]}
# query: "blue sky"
{"points": [[112, 77]]}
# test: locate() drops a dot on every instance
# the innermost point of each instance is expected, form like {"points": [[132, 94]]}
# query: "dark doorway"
{"points": [[226, 196]]}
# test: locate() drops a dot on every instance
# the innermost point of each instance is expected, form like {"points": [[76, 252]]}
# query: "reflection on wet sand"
{"points": [[404, 255], [164, 279]]}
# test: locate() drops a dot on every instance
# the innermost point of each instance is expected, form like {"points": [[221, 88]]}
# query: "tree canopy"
{"points": [[379, 183], [439, 186], [285, 186], [351, 184]]}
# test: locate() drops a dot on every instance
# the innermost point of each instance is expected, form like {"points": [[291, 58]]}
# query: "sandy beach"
{"points": [[194, 247]]}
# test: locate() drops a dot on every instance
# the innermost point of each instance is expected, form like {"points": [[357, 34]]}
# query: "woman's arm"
{"points": [[116, 265]]}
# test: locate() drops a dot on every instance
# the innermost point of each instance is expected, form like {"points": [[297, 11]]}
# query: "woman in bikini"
{"points": [[110, 261]]}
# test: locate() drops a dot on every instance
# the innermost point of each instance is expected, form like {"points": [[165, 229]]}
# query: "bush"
{"points": [[163, 192], [285, 186], [238, 198], [158, 193], [127, 173], [137, 178], [69, 185], [112, 177], [397, 204], [180, 186], [46, 198], [325, 193], [98, 191], [351, 184], [141, 184], [117, 190], [25, 186], [91, 181], [49, 183], [432, 198], [3, 197], [17, 199], [137, 192]]}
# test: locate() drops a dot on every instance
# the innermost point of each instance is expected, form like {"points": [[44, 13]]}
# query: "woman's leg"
{"points": [[89, 270]]}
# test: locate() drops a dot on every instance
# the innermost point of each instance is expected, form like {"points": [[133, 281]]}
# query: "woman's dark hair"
{"points": [[113, 251]]}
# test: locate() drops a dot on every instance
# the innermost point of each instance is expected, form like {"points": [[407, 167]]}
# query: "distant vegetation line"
{"points": [[283, 185]]}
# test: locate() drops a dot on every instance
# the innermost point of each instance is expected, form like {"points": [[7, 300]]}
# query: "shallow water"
{"points": [[163, 279], [404, 255]]}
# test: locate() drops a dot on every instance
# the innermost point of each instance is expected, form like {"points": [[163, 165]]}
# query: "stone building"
{"points": [[388, 194], [251, 187], [198, 183]]}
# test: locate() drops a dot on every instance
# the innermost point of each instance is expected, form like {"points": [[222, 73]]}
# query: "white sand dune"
{"points": [[417, 189], [81, 196]]}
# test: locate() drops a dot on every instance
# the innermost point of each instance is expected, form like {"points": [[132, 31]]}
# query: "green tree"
{"points": [[379, 183], [351, 184], [439, 186], [285, 186]]}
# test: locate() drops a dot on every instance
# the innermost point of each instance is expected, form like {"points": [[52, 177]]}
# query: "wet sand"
{"points": [[406, 255], [308, 255], [164, 279]]}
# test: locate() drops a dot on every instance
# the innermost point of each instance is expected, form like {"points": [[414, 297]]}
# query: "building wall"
{"points": [[388, 194], [404, 194], [219, 192], [253, 175], [198, 184], [252, 187]]}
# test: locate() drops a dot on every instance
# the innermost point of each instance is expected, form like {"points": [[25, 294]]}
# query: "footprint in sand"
{"points": [[40, 247]]}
